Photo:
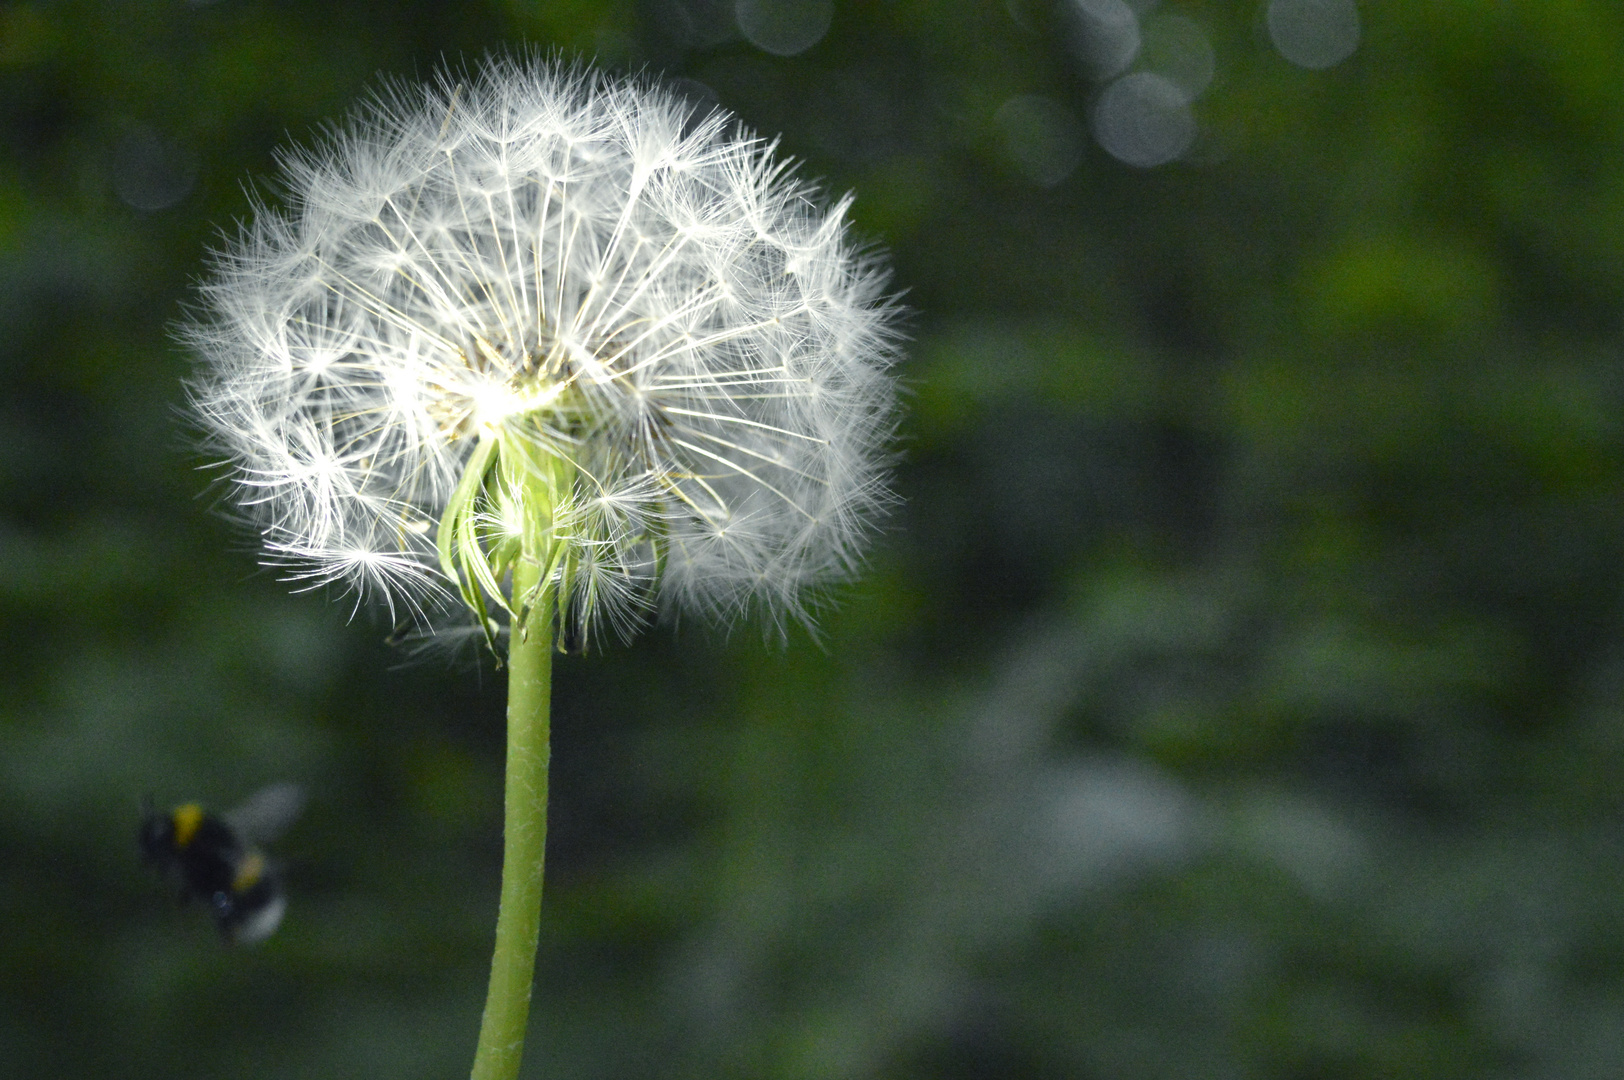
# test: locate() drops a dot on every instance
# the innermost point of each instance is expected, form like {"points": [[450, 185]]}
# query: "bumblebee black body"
{"points": [[212, 861]]}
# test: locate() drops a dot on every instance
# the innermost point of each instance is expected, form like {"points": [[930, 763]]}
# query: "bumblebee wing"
{"points": [[258, 923], [267, 813]]}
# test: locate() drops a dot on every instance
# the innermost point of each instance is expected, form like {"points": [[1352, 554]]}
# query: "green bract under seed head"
{"points": [[556, 316]]}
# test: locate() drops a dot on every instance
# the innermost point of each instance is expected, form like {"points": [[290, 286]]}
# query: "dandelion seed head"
{"points": [[574, 270]]}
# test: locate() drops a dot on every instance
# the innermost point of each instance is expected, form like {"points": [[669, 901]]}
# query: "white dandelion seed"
{"points": [[556, 302]]}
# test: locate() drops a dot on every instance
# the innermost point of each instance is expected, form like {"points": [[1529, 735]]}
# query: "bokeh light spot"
{"points": [[1144, 119], [1314, 34], [1108, 35], [784, 27], [697, 24], [149, 172], [1041, 136]]}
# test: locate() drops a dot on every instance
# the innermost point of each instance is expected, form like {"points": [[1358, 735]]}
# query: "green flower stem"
{"points": [[524, 834]]}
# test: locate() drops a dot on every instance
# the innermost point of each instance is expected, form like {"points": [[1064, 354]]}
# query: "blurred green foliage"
{"points": [[1237, 694]]}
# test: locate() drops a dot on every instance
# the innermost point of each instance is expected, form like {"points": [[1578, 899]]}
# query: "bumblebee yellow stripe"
{"points": [[186, 818], [250, 871]]}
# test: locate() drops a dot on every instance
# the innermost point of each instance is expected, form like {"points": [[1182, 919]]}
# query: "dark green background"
{"points": [[1237, 694]]}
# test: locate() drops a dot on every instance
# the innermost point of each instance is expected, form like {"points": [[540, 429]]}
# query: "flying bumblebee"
{"points": [[216, 858]]}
